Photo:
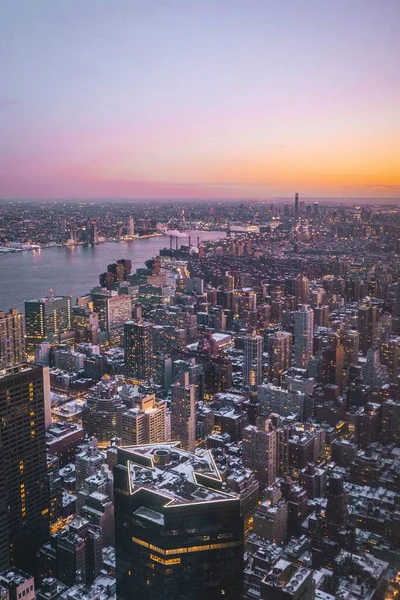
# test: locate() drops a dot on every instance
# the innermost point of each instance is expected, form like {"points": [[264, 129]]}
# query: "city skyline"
{"points": [[194, 100]]}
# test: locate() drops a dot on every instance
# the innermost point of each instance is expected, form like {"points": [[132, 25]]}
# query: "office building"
{"points": [[260, 447], [368, 317], [177, 535], [301, 289], [271, 521], [287, 581], [138, 350], [183, 417], [373, 372], [55, 488], [351, 347], [321, 316], [275, 399], [23, 464], [48, 320], [303, 335], [391, 422], [130, 226], [332, 361], [313, 480], [102, 413], [367, 423], [252, 361], [91, 233], [88, 461], [280, 355], [145, 422], [118, 311], [12, 338], [196, 375], [18, 584], [78, 549]]}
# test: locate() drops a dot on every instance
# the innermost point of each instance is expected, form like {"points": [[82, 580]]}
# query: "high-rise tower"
{"points": [[252, 365], [138, 350], [47, 320], [23, 464], [303, 335], [280, 354], [183, 420], [301, 289], [177, 535], [12, 338]]}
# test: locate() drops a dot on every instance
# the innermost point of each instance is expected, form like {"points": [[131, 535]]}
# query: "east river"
{"points": [[74, 270]]}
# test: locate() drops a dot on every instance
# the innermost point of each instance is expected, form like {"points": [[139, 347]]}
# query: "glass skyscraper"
{"points": [[177, 535]]}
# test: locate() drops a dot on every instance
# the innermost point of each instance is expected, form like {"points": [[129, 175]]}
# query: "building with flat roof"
{"points": [[24, 524], [48, 320], [178, 535]]}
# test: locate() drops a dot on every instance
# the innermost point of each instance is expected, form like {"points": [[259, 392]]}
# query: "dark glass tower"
{"points": [[138, 350], [23, 465], [176, 534]]}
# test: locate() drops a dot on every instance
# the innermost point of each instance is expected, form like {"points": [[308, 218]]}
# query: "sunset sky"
{"points": [[199, 98]]}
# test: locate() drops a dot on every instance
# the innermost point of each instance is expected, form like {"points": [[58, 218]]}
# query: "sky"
{"points": [[199, 98]]}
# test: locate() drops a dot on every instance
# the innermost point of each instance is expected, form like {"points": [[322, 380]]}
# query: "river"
{"points": [[74, 270]]}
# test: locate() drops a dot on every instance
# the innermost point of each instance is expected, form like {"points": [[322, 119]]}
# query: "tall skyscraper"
{"points": [[138, 350], [183, 419], [303, 335], [332, 361], [391, 422], [260, 447], [131, 225], [301, 289], [368, 317], [176, 534], [47, 320], [91, 233], [12, 338], [252, 365], [296, 205], [23, 464], [280, 355]]}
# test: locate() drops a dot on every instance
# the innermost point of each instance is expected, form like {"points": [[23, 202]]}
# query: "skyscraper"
{"points": [[303, 335], [183, 419], [145, 422], [12, 338], [280, 355], [131, 226], [301, 289], [368, 317], [260, 447], [23, 464], [138, 350], [91, 233], [332, 361], [296, 205], [47, 320], [176, 535], [252, 365]]}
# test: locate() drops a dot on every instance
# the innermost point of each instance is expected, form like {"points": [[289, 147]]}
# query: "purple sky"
{"points": [[199, 98]]}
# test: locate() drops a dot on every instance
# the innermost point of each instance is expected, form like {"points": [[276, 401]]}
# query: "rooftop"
{"points": [[181, 476]]}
